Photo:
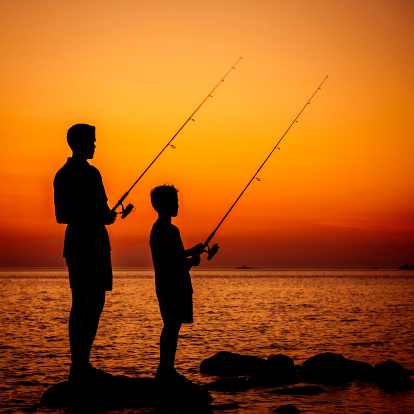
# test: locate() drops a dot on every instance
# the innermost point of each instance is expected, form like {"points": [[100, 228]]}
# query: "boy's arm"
{"points": [[193, 255], [192, 261], [195, 251]]}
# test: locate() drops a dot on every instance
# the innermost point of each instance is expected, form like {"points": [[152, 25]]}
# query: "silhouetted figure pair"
{"points": [[81, 203]]}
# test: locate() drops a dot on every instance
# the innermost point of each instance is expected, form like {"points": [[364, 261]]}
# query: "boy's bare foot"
{"points": [[169, 376]]}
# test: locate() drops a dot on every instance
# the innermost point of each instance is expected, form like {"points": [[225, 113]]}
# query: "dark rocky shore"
{"points": [[116, 392], [326, 368], [237, 373]]}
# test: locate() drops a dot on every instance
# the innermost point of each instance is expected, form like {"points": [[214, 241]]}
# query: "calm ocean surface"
{"points": [[364, 314]]}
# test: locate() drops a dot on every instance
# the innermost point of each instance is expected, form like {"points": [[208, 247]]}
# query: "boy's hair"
{"points": [[77, 134], [161, 195]]}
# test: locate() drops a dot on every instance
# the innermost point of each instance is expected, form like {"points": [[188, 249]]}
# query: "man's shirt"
{"points": [[81, 203]]}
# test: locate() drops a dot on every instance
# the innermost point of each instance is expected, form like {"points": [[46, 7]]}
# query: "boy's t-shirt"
{"points": [[172, 276]]}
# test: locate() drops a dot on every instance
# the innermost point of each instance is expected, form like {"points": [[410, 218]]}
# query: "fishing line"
{"points": [[126, 210], [213, 250]]}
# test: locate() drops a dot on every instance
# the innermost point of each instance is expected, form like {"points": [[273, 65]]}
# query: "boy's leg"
{"points": [[95, 302], [168, 344]]}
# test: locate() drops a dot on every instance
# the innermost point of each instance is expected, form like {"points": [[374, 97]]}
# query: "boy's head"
{"points": [[164, 199], [81, 140]]}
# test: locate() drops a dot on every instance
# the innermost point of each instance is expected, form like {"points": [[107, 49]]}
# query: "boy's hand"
{"points": [[197, 250], [195, 260]]}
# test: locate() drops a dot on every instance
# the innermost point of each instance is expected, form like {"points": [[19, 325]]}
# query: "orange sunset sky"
{"points": [[339, 193]]}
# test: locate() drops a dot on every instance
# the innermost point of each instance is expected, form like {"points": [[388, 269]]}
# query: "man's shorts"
{"points": [[90, 271], [178, 308]]}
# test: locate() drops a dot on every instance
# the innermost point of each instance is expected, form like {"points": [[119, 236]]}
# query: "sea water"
{"points": [[364, 314]]}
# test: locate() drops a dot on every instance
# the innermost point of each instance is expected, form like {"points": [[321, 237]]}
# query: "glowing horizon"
{"points": [[340, 190]]}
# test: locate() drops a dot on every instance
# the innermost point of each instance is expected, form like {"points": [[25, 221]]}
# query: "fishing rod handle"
{"points": [[119, 203]]}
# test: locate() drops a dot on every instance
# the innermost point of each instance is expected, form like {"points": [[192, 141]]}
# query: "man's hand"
{"points": [[111, 218]]}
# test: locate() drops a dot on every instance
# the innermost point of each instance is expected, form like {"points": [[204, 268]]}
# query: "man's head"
{"points": [[81, 139], [164, 199]]}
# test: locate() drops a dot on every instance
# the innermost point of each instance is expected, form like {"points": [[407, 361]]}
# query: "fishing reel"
{"points": [[211, 251], [126, 210]]}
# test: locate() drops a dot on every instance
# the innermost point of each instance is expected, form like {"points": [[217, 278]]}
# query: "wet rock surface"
{"points": [[122, 392], [277, 370], [280, 376], [331, 368], [392, 376], [231, 364], [287, 409], [277, 375]]}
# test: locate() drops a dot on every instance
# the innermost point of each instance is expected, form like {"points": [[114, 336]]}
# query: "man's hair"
{"points": [[161, 195], [77, 134]]}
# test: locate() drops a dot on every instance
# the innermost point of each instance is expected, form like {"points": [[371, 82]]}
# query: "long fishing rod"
{"points": [[213, 250], [129, 207]]}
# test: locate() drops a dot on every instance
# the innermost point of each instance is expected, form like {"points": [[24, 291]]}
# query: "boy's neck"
{"points": [[164, 219], [79, 157]]}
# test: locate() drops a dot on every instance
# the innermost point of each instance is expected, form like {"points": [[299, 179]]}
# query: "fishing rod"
{"points": [[126, 210], [211, 251]]}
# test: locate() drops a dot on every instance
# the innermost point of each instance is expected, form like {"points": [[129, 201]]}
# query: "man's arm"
{"points": [[61, 214], [62, 202], [109, 216], [77, 204]]}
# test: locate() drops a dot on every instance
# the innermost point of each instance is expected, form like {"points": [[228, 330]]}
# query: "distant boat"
{"points": [[406, 267]]}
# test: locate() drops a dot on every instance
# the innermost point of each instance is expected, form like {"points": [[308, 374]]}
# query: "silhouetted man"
{"points": [[81, 203], [172, 277]]}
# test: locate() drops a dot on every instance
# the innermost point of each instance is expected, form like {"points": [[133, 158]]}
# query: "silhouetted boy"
{"points": [[172, 278], [81, 203]]}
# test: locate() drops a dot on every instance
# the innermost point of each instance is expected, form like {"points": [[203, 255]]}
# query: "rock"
{"points": [[287, 409], [281, 362], [392, 376], [231, 364], [278, 370], [330, 368], [229, 385], [126, 392], [304, 390], [57, 396], [358, 370]]}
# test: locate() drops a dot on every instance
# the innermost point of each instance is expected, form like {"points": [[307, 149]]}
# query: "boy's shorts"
{"points": [[179, 308], [90, 271]]}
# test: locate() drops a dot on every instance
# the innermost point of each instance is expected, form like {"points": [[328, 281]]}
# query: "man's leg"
{"points": [[84, 317], [75, 322]]}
